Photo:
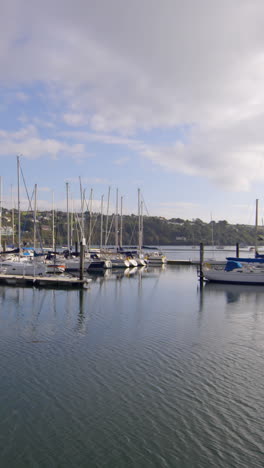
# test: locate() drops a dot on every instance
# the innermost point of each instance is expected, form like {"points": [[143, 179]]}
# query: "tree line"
{"points": [[156, 230]]}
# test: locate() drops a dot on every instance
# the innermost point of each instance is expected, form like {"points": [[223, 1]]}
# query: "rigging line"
{"points": [[38, 231], [25, 221], [75, 220], [94, 224], [109, 232], [132, 234], [145, 205], [88, 206], [78, 223]]}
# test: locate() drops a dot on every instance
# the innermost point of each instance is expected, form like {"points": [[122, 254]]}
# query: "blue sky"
{"points": [[162, 96]]}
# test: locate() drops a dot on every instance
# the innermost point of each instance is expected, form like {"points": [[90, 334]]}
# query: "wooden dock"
{"points": [[52, 281], [180, 262]]}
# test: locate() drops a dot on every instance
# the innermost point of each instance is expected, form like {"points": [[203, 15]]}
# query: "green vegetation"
{"points": [[157, 230]]}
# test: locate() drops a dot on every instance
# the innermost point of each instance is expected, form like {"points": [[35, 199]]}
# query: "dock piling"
{"points": [[201, 276], [81, 260]]}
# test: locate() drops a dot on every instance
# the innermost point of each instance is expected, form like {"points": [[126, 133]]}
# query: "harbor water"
{"points": [[143, 369]]}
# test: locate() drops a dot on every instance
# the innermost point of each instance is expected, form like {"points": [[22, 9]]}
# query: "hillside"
{"points": [[157, 230]]}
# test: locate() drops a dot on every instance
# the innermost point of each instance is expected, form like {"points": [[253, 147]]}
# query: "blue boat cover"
{"points": [[246, 260], [232, 264]]}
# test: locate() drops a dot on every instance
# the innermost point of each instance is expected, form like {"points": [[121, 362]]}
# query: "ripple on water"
{"points": [[131, 382]]}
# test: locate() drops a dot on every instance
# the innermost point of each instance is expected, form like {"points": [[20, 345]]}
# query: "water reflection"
{"points": [[81, 314], [238, 298], [119, 273], [44, 311], [234, 292]]}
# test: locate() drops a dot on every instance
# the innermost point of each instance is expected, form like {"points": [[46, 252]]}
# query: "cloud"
{"points": [[75, 120], [88, 180], [231, 157], [121, 69], [122, 161], [44, 189], [179, 209], [28, 142]]}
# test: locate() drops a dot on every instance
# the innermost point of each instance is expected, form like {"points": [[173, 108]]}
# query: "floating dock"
{"points": [[180, 262], [44, 281]]}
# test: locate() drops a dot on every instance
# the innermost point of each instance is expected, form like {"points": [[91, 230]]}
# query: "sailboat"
{"points": [[238, 270], [21, 264], [235, 272]]}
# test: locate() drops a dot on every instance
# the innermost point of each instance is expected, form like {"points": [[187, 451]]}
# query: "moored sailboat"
{"points": [[235, 272]]}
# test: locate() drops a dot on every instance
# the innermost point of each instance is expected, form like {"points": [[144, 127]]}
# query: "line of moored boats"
{"points": [[28, 262]]}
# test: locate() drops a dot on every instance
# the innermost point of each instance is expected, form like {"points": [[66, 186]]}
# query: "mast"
{"points": [[256, 227], [90, 220], [68, 220], [13, 216], [107, 214], [82, 207], [71, 222], [139, 222], [121, 223], [141, 234], [116, 221], [82, 224], [53, 223], [35, 216], [18, 204], [101, 232]]}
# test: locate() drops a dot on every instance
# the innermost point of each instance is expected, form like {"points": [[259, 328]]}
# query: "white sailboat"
{"points": [[24, 268], [235, 272], [156, 258], [25, 265]]}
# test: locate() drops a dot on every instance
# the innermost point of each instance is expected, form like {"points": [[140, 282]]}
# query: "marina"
{"points": [[131, 238]]}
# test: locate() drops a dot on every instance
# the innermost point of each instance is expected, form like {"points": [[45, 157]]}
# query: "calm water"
{"points": [[139, 371]]}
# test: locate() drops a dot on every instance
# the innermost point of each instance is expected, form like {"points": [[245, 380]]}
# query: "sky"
{"points": [[162, 95]]}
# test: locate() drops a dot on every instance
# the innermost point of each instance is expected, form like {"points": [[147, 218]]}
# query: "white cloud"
{"points": [[121, 161], [88, 180], [27, 142], [44, 189], [123, 68], [75, 120], [183, 210]]}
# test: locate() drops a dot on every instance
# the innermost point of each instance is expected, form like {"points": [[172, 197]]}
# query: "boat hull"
{"points": [[156, 260], [234, 277], [74, 265], [119, 263], [99, 265], [23, 268]]}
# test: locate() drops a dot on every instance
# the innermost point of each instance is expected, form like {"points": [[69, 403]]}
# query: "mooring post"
{"points": [[81, 260], [237, 250], [201, 277]]}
